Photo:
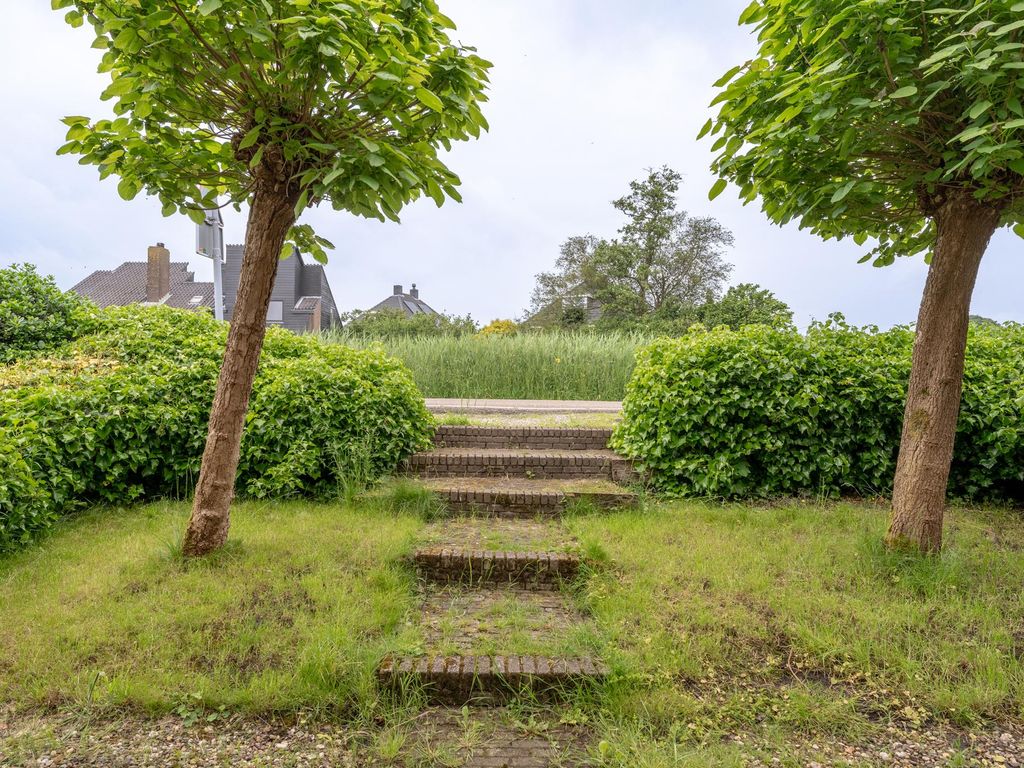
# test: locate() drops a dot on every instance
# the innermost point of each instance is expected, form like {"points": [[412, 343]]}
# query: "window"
{"points": [[275, 312]]}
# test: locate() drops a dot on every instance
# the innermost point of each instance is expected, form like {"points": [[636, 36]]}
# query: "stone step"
{"points": [[521, 462], [536, 570], [489, 680], [518, 497], [567, 439]]}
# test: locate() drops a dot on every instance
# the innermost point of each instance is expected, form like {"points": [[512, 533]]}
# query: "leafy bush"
{"points": [[35, 314], [121, 414], [22, 507], [762, 412], [500, 328], [393, 324]]}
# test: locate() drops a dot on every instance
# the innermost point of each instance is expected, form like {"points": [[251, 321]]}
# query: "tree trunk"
{"points": [[270, 217], [964, 228]]}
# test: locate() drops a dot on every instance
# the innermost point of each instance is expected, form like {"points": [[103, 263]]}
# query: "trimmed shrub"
{"points": [[121, 415], [760, 412], [23, 511], [35, 314]]}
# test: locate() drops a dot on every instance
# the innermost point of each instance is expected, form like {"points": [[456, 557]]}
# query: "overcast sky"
{"points": [[585, 95]]}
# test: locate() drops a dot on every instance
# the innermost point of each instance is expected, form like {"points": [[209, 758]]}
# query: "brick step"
{"points": [[521, 462], [536, 570], [489, 680], [517, 497], [567, 439]]}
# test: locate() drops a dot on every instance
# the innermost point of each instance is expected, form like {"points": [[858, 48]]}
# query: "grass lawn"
{"points": [[293, 614], [725, 619], [782, 619]]}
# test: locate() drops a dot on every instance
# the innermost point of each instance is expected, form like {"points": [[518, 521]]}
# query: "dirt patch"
{"points": [[509, 536], [487, 621], [262, 605]]}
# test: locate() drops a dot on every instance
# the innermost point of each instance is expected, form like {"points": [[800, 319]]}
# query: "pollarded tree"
{"points": [[901, 121], [282, 104]]}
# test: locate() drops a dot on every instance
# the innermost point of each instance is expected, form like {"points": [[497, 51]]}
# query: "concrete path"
{"points": [[455, 405]]}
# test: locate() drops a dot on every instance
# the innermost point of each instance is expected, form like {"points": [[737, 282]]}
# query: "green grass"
{"points": [[545, 420], [794, 617], [293, 614], [549, 366], [785, 620]]}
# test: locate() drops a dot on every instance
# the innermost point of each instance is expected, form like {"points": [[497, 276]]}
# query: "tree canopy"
{"points": [[860, 117], [662, 260], [350, 100], [747, 304]]}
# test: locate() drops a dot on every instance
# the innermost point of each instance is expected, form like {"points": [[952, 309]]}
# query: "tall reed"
{"points": [[549, 366]]}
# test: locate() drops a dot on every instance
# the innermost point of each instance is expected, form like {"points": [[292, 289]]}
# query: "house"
{"points": [[301, 301], [155, 281], [408, 303]]}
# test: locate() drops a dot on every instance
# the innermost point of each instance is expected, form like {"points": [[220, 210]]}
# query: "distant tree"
{"points": [[981, 320], [747, 304], [282, 105], [662, 258], [35, 314], [899, 121], [574, 316], [394, 324], [572, 280]]}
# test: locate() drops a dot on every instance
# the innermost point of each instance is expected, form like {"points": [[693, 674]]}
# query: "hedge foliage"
{"points": [[760, 412], [121, 414], [35, 314]]}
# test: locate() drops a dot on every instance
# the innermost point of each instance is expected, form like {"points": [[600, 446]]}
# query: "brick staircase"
{"points": [[515, 475], [523, 472]]}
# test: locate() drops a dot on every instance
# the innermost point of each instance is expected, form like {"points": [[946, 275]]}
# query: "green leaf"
{"points": [[904, 92], [844, 190], [705, 130], [1009, 27], [128, 188], [209, 6], [429, 99], [979, 109], [300, 206], [717, 189], [1019, 229], [250, 138]]}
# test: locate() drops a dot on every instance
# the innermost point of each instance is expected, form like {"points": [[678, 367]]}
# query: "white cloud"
{"points": [[586, 94]]}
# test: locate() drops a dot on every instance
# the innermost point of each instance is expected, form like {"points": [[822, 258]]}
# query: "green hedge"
{"points": [[121, 416], [35, 315], [761, 412]]}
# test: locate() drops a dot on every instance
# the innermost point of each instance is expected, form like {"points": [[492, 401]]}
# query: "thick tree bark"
{"points": [[270, 217], [964, 228]]}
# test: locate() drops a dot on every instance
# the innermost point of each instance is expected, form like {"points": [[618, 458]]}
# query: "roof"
{"points": [[403, 302], [307, 304], [127, 285]]}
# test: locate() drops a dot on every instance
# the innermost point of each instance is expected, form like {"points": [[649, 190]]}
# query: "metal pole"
{"points": [[218, 283]]}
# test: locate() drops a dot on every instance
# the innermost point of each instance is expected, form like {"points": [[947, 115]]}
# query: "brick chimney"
{"points": [[398, 290], [158, 274]]}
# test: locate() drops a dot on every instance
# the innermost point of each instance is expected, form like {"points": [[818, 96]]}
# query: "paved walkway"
{"points": [[456, 405]]}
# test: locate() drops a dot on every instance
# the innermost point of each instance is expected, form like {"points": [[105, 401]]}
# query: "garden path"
{"points": [[500, 625]]}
